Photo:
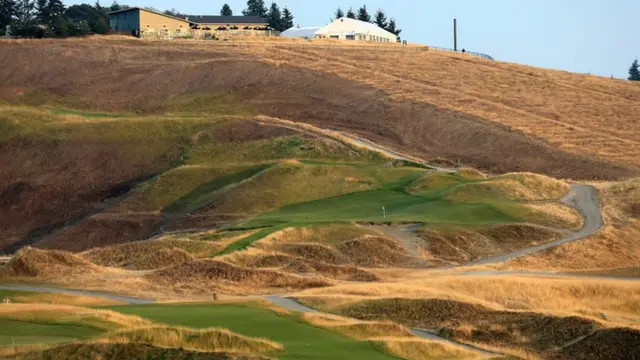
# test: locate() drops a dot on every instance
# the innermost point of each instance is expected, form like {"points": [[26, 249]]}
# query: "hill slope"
{"points": [[489, 115]]}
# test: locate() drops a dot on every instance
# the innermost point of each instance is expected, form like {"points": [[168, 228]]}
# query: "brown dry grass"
{"points": [[63, 299], [401, 105], [47, 264], [582, 114], [515, 186], [467, 322], [616, 300], [613, 247], [417, 349], [555, 215], [460, 246], [613, 250], [395, 338], [82, 351], [207, 276], [207, 340], [103, 319], [166, 251]]}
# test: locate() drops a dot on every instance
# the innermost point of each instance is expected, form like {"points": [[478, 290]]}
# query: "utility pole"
{"points": [[455, 34]]}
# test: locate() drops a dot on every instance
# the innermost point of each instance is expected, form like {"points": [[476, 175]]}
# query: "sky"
{"points": [[600, 37]]}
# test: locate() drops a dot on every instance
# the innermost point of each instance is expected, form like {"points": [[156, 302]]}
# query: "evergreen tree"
{"points": [[56, 9], [60, 26], [274, 17], [226, 10], [351, 14], [115, 6], [42, 11], [287, 19], [24, 11], [255, 8], [172, 12], [95, 17], [634, 71], [8, 10], [381, 19], [393, 29], [339, 13], [363, 14]]}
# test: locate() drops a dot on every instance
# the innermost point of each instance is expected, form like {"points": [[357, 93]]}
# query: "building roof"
{"points": [[204, 19], [148, 10], [349, 26], [302, 32], [216, 19]]}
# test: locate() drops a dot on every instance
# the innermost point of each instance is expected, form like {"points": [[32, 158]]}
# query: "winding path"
{"points": [[582, 197]]}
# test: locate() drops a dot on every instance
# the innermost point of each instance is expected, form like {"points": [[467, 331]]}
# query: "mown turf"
{"points": [[26, 332], [300, 339], [398, 207]]}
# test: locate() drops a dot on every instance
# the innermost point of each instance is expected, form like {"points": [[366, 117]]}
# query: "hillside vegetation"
{"points": [[490, 115]]}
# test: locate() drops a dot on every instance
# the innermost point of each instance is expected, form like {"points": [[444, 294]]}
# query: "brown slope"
{"points": [[127, 75], [46, 183]]}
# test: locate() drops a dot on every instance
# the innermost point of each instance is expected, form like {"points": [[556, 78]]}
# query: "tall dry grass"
{"points": [[578, 113], [206, 340], [612, 301], [393, 337], [104, 319]]}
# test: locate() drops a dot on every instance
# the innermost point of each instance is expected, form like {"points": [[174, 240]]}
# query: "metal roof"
{"points": [[204, 19], [222, 20]]}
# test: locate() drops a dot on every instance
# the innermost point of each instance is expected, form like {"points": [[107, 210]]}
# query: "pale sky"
{"points": [[588, 36]]}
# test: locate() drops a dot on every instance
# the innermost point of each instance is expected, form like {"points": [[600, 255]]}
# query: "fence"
{"points": [[399, 48], [488, 57]]}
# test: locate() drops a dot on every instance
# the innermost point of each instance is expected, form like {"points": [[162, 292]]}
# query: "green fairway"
{"points": [[398, 207], [20, 332], [300, 339]]}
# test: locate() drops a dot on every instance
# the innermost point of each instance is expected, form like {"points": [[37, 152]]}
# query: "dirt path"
{"points": [[293, 305], [585, 199], [349, 139]]}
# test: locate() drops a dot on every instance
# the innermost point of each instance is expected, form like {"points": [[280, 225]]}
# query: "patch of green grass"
{"points": [[203, 193], [249, 240], [26, 332], [399, 207], [300, 339], [87, 114], [286, 147], [202, 103]]}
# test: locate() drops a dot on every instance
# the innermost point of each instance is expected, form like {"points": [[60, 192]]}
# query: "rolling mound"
{"points": [[303, 265], [154, 254], [212, 340], [31, 262], [614, 344], [207, 275], [126, 351], [468, 322], [459, 246], [517, 187], [125, 76]]}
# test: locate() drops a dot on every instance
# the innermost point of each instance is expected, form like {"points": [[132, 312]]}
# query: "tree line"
{"points": [[634, 71], [277, 19], [380, 18], [50, 18]]}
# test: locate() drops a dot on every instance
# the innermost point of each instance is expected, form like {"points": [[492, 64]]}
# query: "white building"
{"points": [[301, 32], [351, 29]]}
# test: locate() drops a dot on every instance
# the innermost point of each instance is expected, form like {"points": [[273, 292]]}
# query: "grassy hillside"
{"points": [[300, 340], [490, 115]]}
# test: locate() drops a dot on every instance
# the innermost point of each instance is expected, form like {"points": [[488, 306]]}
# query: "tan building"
{"points": [[151, 24]]}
